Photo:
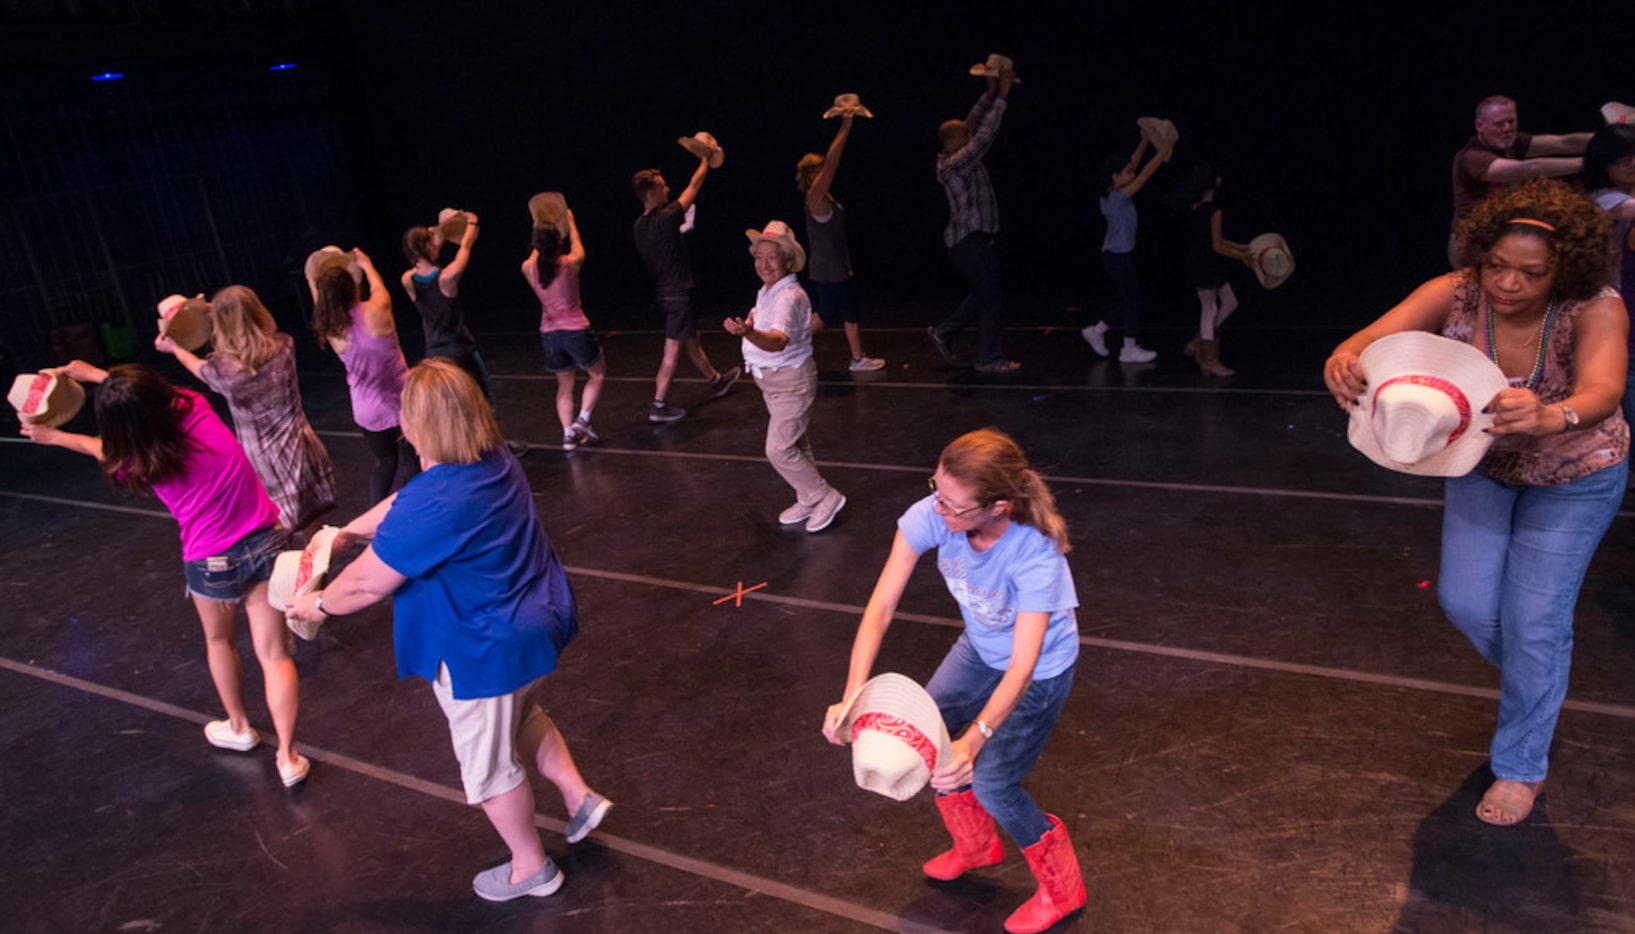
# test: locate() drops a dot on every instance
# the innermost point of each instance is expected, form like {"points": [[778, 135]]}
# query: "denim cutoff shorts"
{"points": [[565, 350], [227, 576]]}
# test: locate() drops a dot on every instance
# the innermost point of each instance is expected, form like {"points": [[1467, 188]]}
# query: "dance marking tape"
{"points": [[672, 860]]}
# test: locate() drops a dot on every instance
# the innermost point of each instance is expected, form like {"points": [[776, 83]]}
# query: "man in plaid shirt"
{"points": [[973, 222]]}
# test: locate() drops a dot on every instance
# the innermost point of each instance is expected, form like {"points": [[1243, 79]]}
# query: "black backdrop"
{"points": [[1332, 125]]}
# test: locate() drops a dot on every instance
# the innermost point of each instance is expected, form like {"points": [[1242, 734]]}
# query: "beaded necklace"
{"points": [[1545, 325]]}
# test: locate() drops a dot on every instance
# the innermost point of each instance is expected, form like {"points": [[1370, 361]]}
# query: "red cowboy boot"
{"points": [[1061, 887], [976, 842]]}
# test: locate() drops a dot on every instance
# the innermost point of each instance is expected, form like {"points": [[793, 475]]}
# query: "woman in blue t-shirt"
{"points": [[481, 608], [1001, 548]]}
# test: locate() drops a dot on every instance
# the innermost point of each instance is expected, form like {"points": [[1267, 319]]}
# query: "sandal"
{"points": [[1508, 802]]}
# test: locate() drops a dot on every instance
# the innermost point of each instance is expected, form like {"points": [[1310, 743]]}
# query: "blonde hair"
{"points": [[245, 331], [993, 466], [445, 413]]}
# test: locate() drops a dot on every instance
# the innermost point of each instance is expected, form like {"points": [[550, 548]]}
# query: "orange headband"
{"points": [[1535, 223]]}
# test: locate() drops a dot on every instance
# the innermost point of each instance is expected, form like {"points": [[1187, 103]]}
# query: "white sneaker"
{"points": [[865, 364], [795, 513], [1135, 353], [1096, 335], [825, 511]]}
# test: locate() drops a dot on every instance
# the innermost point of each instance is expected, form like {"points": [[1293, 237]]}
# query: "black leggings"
{"points": [[395, 462]]}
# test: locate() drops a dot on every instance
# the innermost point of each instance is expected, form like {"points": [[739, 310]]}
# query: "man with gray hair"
{"points": [[1500, 156]]}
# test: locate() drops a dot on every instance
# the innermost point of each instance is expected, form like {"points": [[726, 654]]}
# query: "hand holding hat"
{"points": [[897, 735], [704, 146], [1425, 406], [48, 398], [847, 105], [186, 321], [997, 66]]}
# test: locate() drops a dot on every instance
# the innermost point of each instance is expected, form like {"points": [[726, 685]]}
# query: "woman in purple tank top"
{"points": [[363, 334]]}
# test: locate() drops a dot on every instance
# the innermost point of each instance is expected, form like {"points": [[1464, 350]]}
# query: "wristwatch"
{"points": [[318, 602], [984, 729], [1569, 416]]}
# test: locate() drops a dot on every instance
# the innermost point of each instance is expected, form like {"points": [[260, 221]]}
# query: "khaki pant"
{"points": [[789, 392]]}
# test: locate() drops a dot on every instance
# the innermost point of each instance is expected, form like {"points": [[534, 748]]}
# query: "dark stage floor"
{"points": [[1273, 728]]}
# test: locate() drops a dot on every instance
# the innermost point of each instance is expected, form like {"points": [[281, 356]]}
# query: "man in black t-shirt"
{"points": [[664, 253], [1500, 156]]}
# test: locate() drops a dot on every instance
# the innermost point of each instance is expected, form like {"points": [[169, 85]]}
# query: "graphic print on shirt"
{"points": [[988, 607]]}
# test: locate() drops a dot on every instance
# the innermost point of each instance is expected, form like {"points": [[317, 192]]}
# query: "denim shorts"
{"points": [[565, 350], [226, 577]]}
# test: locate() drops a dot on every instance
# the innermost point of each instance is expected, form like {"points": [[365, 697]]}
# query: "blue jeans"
{"points": [[1513, 559], [977, 259], [1127, 310], [961, 686]]}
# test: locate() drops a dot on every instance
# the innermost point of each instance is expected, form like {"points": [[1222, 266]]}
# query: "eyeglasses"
{"points": [[943, 507]]}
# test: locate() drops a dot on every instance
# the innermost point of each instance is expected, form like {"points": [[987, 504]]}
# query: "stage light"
{"points": [[285, 66], [108, 76]]}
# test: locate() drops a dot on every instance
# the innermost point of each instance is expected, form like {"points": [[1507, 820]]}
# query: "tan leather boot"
{"points": [[1209, 360]]}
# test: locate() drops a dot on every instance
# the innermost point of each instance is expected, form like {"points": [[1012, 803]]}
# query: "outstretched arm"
{"points": [[1146, 172], [1559, 144], [690, 193], [82, 444], [817, 197], [183, 356], [1520, 170], [888, 590]]}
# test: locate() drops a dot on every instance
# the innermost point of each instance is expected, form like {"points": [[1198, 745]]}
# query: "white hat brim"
{"points": [[1412, 353], [902, 697]]}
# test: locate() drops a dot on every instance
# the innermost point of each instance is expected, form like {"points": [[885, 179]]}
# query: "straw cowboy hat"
{"points": [[299, 572], [186, 320], [451, 224], [1271, 260], [1422, 413], [1614, 112], [897, 735], [46, 398], [704, 146], [1162, 133], [778, 232], [549, 209], [332, 257], [995, 65], [845, 103]]}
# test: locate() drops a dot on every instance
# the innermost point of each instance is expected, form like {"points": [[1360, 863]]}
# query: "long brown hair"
{"points": [[994, 467], [139, 416], [332, 310], [245, 331]]}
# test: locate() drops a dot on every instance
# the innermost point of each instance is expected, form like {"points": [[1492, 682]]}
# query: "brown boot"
{"points": [[976, 841], [1209, 359]]}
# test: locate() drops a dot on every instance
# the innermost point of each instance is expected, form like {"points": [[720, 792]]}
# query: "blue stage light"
{"points": [[286, 66], [108, 76]]}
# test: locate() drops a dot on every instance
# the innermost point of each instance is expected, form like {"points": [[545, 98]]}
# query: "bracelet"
{"points": [[984, 729]]}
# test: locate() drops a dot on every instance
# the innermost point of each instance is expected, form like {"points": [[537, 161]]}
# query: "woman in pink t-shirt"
{"points": [[156, 436]]}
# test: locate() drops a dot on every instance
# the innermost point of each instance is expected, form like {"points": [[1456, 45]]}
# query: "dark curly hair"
{"points": [[1580, 243]]}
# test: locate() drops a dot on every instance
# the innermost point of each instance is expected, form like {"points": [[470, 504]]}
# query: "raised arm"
{"points": [[1559, 144], [817, 197], [377, 308], [448, 282], [888, 590], [690, 193], [183, 356], [576, 252], [1146, 173]]}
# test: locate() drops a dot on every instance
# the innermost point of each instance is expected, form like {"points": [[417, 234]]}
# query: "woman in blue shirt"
{"points": [[481, 608], [1001, 549]]}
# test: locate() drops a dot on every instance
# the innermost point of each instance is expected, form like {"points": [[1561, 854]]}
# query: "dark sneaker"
{"points": [[999, 366], [586, 433], [943, 349], [722, 384], [665, 413]]}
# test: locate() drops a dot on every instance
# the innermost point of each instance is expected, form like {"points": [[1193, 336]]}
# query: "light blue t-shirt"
{"points": [[1022, 573], [1119, 210], [486, 593]]}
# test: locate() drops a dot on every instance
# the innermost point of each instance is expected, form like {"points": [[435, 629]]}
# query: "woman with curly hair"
{"points": [[1002, 548], [1518, 532], [253, 366]]}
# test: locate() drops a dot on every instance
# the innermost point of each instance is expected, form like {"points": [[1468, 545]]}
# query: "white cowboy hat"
{"points": [[996, 64], [549, 209], [1614, 112], [46, 398], [778, 232], [186, 320], [298, 572], [704, 146], [1422, 413], [897, 735], [1271, 260], [847, 102], [328, 257]]}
